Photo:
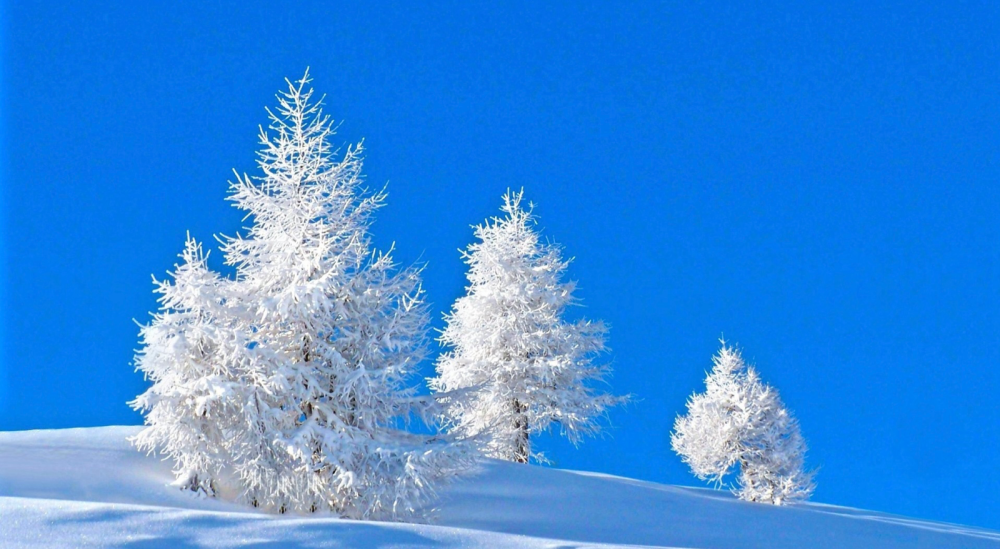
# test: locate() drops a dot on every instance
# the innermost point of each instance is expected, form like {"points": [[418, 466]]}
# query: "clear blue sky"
{"points": [[817, 182]]}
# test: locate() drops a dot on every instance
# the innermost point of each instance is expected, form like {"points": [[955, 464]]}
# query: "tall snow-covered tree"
{"points": [[514, 366], [329, 332], [739, 420]]}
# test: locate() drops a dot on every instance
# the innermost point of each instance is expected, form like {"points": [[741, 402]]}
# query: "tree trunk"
{"points": [[522, 446]]}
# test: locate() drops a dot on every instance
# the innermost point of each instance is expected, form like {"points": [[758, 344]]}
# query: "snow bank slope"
{"points": [[89, 488]]}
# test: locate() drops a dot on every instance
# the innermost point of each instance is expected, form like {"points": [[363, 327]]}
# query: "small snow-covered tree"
{"points": [[186, 352], [739, 420], [515, 366], [327, 334]]}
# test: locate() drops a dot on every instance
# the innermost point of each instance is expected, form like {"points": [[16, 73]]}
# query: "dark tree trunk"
{"points": [[522, 445]]}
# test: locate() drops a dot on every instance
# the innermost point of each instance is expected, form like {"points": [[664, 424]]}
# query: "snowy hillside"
{"points": [[89, 488]]}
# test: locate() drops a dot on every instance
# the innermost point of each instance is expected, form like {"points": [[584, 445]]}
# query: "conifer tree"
{"points": [[195, 395], [514, 366], [739, 420], [328, 332]]}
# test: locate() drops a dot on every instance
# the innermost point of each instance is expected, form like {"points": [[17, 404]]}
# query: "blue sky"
{"points": [[817, 182]]}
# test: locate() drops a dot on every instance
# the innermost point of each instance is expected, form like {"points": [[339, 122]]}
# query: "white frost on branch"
{"points": [[515, 367], [739, 420], [292, 379]]}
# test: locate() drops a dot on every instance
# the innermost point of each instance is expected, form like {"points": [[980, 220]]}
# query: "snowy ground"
{"points": [[89, 488]]}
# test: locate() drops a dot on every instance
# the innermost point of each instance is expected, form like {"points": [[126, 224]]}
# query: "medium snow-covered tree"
{"points": [[327, 333], [515, 367], [739, 420]]}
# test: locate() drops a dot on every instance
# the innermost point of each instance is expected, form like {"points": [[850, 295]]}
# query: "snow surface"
{"points": [[90, 488]]}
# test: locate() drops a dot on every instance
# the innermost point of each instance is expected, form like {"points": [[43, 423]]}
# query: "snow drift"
{"points": [[90, 488]]}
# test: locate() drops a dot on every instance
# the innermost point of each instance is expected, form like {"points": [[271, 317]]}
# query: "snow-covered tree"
{"points": [[739, 420], [328, 333], [186, 352], [515, 367]]}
